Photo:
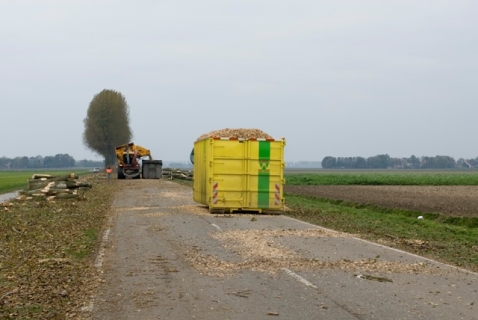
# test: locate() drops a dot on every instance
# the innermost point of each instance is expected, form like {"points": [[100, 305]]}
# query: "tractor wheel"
{"points": [[121, 173]]}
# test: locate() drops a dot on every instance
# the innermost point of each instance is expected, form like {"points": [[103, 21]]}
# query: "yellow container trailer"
{"points": [[235, 174]]}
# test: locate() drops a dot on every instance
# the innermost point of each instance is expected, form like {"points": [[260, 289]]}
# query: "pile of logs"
{"points": [[172, 173], [50, 187]]}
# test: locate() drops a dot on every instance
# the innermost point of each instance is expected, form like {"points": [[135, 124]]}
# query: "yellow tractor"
{"points": [[132, 165]]}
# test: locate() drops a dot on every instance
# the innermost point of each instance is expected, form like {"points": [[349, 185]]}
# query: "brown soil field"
{"points": [[458, 201]]}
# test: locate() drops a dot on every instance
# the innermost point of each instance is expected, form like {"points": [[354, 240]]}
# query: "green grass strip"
{"points": [[450, 240], [433, 178]]}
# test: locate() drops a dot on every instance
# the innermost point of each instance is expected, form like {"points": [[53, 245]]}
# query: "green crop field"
{"points": [[16, 180], [384, 177]]}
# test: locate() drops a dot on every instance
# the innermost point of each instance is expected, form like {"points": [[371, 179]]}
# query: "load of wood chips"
{"points": [[243, 133]]}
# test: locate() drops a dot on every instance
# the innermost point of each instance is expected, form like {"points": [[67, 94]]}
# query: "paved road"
{"points": [[166, 257]]}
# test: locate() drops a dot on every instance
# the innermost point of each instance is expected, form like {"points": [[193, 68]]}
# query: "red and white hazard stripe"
{"points": [[214, 192], [262, 139], [277, 194]]}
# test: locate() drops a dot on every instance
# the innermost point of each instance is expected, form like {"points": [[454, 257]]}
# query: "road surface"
{"points": [[165, 257]]}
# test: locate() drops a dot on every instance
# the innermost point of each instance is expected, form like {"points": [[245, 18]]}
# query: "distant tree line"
{"points": [[48, 162], [384, 161], [178, 164]]}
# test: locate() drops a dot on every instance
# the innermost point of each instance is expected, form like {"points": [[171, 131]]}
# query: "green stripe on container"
{"points": [[264, 176], [264, 150]]}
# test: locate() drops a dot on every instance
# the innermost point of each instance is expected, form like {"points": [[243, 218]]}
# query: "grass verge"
{"points": [[453, 241], [45, 253]]}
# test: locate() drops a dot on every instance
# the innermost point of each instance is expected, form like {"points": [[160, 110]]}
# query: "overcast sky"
{"points": [[335, 78]]}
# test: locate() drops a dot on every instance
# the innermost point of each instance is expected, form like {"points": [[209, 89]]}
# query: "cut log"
{"points": [[58, 183], [56, 177], [77, 184], [64, 177], [66, 196], [40, 176], [53, 191], [37, 184]]}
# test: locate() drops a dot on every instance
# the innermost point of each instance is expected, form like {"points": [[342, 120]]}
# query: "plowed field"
{"points": [[450, 200]]}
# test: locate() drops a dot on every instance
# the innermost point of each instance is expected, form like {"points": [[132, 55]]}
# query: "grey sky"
{"points": [[338, 78]]}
